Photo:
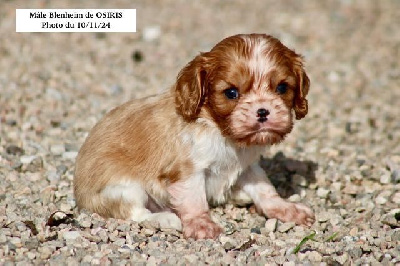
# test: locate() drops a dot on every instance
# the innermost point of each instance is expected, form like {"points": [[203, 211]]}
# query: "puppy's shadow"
{"points": [[288, 175]]}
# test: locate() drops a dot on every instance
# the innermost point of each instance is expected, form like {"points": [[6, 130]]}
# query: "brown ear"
{"points": [[300, 102], [190, 89]]}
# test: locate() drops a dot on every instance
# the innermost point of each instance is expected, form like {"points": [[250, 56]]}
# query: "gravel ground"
{"points": [[343, 159]]}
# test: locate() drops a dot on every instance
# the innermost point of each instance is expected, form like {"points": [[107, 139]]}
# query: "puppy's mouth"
{"points": [[260, 137], [269, 127], [263, 134]]}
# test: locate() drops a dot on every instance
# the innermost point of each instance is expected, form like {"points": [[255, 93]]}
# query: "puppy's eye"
{"points": [[232, 93], [281, 88]]}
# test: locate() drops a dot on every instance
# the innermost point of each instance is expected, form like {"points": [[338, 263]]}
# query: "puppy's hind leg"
{"points": [[132, 195]]}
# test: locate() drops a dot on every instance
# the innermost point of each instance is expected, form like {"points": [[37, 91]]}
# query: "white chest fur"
{"points": [[221, 161]]}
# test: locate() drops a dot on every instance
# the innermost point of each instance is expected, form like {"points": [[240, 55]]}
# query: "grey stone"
{"points": [[355, 252]]}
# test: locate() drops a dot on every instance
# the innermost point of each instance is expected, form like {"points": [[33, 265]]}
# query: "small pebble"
{"points": [[69, 155], [353, 231], [71, 235], [355, 252], [324, 216], [323, 193], [341, 259], [57, 149], [391, 219], [31, 255], [314, 256], [294, 198], [385, 178], [151, 33], [27, 159], [228, 243], [271, 225], [284, 227], [396, 198], [380, 200]]}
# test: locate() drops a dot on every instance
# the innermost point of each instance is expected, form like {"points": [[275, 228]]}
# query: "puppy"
{"points": [[165, 158]]}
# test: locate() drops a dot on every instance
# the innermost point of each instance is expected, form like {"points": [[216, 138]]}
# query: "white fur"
{"points": [[254, 183], [258, 63], [188, 196], [220, 161], [127, 190], [133, 192]]}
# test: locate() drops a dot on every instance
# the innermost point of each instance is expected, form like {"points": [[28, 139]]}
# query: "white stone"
{"points": [[191, 258], [294, 198], [341, 259], [385, 178], [86, 224], [396, 198], [336, 186], [65, 207], [343, 212], [31, 255], [323, 193], [151, 33], [323, 216], [57, 149], [314, 256], [284, 227], [289, 263], [27, 159], [380, 200], [335, 220], [70, 155], [71, 235], [270, 225], [228, 242]]}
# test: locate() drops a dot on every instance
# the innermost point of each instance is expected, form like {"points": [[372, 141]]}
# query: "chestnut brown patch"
{"points": [[175, 172]]}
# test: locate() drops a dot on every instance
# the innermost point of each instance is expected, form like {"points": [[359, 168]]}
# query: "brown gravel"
{"points": [[343, 159]]}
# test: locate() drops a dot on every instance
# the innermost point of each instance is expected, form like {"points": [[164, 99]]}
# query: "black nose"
{"points": [[262, 114]]}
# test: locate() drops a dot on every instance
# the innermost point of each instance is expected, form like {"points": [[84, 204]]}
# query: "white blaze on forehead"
{"points": [[258, 62]]}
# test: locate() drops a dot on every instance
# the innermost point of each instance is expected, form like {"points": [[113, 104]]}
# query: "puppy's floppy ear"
{"points": [[303, 85], [190, 88]]}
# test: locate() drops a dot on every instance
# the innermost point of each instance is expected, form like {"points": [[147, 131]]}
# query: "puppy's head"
{"points": [[250, 85]]}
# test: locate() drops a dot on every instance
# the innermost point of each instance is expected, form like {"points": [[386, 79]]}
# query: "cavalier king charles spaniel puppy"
{"points": [[168, 157]]}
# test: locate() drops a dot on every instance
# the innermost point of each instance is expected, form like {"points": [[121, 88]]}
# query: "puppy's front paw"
{"points": [[201, 227], [288, 212]]}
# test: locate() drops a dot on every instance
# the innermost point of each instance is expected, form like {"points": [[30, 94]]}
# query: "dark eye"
{"points": [[281, 88], [232, 93]]}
